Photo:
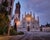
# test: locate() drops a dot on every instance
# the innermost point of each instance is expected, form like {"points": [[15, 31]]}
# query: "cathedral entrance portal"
{"points": [[28, 26], [28, 29]]}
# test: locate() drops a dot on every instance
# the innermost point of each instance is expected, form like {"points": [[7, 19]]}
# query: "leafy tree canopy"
{"points": [[4, 20]]}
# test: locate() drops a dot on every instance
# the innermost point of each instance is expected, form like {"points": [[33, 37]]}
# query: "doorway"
{"points": [[28, 28]]}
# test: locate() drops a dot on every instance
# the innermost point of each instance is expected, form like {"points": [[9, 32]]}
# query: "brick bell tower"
{"points": [[17, 10], [17, 15]]}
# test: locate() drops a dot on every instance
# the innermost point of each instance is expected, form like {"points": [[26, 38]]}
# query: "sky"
{"points": [[41, 8]]}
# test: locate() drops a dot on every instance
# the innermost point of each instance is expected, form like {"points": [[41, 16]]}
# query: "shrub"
{"points": [[20, 33], [13, 32], [1, 31]]}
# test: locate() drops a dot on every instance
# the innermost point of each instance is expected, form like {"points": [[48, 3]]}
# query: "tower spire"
{"points": [[38, 19], [22, 16], [17, 10], [34, 15], [31, 12], [25, 13]]}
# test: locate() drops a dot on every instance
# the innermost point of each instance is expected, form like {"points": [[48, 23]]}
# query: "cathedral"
{"points": [[28, 22]]}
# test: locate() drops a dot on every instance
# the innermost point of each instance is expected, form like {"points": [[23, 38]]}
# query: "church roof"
{"points": [[28, 15]]}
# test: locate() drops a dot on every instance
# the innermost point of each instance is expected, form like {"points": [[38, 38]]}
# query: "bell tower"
{"points": [[17, 10]]}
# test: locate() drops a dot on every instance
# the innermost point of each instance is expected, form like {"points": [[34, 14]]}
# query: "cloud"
{"points": [[38, 5]]}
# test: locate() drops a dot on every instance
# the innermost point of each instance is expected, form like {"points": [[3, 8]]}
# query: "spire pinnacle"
{"points": [[31, 12], [22, 16], [38, 18], [34, 15], [25, 13]]}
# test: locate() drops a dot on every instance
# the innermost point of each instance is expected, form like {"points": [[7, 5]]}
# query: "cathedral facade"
{"points": [[29, 23]]}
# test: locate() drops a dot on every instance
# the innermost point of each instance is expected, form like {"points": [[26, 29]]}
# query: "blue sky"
{"points": [[39, 7]]}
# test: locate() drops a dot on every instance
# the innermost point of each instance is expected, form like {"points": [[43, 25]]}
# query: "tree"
{"points": [[48, 25], [4, 20], [3, 7]]}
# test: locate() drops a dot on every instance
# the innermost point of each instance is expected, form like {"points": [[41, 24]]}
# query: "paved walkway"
{"points": [[32, 36]]}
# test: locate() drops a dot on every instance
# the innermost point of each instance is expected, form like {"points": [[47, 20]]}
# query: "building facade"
{"points": [[29, 23], [17, 15], [17, 10], [46, 27]]}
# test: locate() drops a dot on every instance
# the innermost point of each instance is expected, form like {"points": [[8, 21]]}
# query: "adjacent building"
{"points": [[17, 15], [17, 11], [46, 28]]}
